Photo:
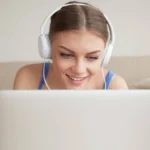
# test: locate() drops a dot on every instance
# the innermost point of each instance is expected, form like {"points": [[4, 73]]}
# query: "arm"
{"points": [[118, 83], [23, 79]]}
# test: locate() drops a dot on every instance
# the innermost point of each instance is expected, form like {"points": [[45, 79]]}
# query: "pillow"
{"points": [[142, 84]]}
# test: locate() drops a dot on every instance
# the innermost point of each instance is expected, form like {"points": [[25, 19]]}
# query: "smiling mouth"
{"points": [[76, 80]]}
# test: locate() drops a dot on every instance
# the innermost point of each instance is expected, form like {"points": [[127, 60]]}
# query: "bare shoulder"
{"points": [[118, 82], [28, 77]]}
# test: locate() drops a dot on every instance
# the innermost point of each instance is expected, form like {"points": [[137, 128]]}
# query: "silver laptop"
{"points": [[75, 120]]}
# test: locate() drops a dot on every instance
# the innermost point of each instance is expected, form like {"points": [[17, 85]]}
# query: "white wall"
{"points": [[20, 22]]}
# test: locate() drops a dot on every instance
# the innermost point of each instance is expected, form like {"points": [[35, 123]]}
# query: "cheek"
{"points": [[62, 65], [94, 69]]}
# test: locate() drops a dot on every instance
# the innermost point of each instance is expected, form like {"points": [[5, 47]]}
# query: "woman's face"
{"points": [[76, 56]]}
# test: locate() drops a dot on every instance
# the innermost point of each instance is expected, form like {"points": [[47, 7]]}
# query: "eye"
{"points": [[66, 55], [93, 58]]}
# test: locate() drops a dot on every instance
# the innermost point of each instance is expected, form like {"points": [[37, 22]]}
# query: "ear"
{"points": [[51, 61]]}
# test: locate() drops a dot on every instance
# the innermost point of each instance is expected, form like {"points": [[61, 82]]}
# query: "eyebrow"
{"points": [[69, 50]]}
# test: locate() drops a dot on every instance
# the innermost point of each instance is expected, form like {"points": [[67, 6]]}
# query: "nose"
{"points": [[79, 67]]}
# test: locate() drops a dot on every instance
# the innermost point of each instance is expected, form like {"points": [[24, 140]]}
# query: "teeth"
{"points": [[76, 79]]}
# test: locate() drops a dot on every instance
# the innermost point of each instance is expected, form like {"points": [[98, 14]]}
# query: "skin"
{"points": [[76, 56]]}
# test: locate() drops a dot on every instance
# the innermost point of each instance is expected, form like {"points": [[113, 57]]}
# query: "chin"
{"points": [[75, 88]]}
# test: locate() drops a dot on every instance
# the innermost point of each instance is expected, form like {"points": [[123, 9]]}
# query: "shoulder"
{"points": [[118, 82], [28, 76]]}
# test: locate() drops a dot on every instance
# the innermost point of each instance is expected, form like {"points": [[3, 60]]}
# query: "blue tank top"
{"points": [[107, 78]]}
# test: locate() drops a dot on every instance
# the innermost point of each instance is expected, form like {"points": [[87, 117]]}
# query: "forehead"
{"points": [[79, 40]]}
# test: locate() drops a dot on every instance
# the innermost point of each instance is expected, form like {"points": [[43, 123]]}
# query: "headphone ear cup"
{"points": [[44, 46], [107, 55]]}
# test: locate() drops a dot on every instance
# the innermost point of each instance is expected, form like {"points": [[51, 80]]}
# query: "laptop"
{"points": [[75, 120]]}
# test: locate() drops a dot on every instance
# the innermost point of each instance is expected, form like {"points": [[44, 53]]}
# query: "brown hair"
{"points": [[78, 17]]}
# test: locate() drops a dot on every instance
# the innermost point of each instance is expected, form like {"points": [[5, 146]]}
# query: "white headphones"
{"points": [[44, 41]]}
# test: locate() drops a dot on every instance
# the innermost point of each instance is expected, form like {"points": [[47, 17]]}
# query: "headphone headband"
{"points": [[112, 35]]}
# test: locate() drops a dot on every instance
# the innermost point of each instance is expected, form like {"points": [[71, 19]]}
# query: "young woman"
{"points": [[78, 35]]}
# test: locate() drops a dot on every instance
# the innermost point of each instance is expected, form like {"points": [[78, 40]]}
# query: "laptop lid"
{"points": [[75, 120]]}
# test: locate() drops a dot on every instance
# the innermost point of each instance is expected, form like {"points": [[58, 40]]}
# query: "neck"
{"points": [[52, 80]]}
